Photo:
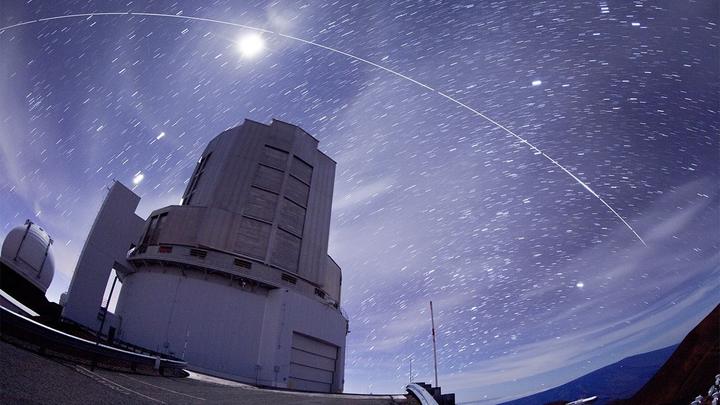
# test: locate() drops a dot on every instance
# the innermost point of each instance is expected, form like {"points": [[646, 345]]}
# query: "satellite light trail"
{"points": [[535, 149]]}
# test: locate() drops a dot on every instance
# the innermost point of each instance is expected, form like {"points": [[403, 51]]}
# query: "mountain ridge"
{"points": [[618, 380]]}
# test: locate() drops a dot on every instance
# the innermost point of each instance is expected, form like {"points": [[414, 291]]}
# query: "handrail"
{"points": [[120, 344], [26, 329], [421, 394], [18, 304]]}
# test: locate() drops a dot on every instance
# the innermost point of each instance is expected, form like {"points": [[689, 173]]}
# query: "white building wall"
{"points": [[224, 329], [322, 322], [209, 323], [333, 280], [115, 228]]}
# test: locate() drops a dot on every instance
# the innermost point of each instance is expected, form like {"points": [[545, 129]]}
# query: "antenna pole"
{"points": [[411, 374], [432, 319]]}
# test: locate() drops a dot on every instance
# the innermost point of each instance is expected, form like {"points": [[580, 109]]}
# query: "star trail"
{"points": [[545, 173]]}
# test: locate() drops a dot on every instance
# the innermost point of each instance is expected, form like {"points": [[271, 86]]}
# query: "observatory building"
{"points": [[26, 269], [236, 280]]}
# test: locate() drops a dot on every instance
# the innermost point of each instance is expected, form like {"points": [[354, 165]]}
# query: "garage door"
{"points": [[312, 364]]}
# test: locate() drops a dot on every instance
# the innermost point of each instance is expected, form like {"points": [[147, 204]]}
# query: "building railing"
{"points": [[205, 258], [116, 343], [33, 335]]}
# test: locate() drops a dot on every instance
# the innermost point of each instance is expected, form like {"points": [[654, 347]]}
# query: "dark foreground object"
{"points": [[28, 294], [617, 380], [689, 371]]}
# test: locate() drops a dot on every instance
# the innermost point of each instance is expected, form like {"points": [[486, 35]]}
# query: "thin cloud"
{"points": [[362, 194]]}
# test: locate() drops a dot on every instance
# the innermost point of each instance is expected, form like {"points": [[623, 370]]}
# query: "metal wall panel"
{"points": [[268, 178], [211, 324], [252, 237], [313, 257], [261, 204], [274, 157], [305, 146], [333, 279], [297, 191], [299, 384], [310, 345], [311, 374], [312, 364], [301, 170], [312, 360], [239, 172], [292, 217], [285, 250], [279, 136]]}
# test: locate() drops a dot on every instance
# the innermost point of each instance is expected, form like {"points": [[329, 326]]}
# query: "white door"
{"points": [[312, 364]]}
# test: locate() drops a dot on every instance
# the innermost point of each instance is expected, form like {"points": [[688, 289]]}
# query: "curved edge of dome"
{"points": [[27, 251]]}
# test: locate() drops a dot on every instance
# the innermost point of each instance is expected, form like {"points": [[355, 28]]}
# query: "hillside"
{"points": [[689, 371], [618, 380]]}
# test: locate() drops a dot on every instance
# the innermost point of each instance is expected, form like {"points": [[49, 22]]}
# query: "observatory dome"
{"points": [[26, 250]]}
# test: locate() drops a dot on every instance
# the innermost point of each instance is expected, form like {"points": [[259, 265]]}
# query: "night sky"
{"points": [[534, 280]]}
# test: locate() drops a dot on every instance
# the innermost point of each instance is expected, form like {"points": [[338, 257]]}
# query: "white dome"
{"points": [[26, 250]]}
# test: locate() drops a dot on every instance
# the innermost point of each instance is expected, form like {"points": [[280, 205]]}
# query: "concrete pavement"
{"points": [[29, 378]]}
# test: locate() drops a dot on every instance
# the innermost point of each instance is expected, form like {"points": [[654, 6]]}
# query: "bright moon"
{"points": [[250, 45]]}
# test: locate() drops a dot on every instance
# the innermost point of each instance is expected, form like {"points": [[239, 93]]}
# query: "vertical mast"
{"points": [[432, 319], [411, 373]]}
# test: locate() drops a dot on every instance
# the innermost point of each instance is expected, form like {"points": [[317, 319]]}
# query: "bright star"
{"points": [[250, 45], [536, 82], [580, 284], [139, 176]]}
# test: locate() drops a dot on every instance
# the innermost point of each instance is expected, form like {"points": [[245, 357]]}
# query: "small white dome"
{"points": [[26, 250]]}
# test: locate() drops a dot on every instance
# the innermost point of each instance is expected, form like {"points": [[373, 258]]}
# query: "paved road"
{"points": [[27, 378]]}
